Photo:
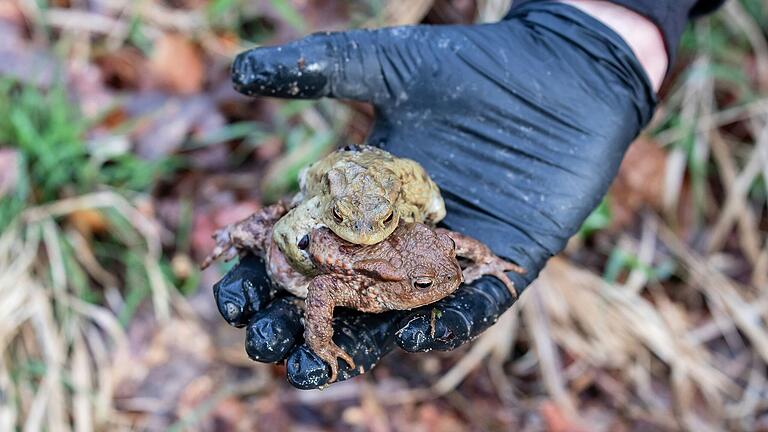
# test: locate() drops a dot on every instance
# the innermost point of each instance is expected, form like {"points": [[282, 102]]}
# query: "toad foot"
{"points": [[330, 354], [494, 266], [250, 233]]}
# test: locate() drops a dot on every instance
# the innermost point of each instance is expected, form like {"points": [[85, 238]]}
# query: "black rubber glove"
{"points": [[522, 124]]}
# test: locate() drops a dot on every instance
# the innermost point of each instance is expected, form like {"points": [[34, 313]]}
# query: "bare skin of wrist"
{"points": [[641, 34]]}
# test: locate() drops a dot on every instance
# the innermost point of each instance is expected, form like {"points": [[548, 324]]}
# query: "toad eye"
{"points": [[422, 282], [304, 242], [389, 218], [337, 215]]}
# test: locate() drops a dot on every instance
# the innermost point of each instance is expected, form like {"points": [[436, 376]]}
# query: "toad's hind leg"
{"points": [[318, 324], [484, 261], [250, 233]]}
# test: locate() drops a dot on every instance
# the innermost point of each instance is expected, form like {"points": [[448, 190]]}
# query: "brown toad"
{"points": [[415, 266], [364, 192]]}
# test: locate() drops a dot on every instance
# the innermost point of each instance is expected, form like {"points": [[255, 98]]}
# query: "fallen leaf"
{"points": [[640, 181], [206, 223], [235, 212], [178, 118], [113, 118], [228, 41], [231, 414], [195, 394], [177, 64], [269, 148], [203, 228], [123, 69]]}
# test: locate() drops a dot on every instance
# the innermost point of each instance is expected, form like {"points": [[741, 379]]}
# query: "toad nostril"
{"points": [[389, 218]]}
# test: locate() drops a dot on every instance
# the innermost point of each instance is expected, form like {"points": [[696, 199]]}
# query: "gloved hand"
{"points": [[522, 124]]}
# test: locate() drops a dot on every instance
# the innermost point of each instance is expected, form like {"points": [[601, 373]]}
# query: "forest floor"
{"points": [[123, 147]]}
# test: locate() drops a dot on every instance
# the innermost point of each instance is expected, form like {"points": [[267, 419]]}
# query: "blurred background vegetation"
{"points": [[123, 147]]}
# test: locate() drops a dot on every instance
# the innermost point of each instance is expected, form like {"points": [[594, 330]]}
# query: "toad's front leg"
{"points": [[318, 323], [484, 261], [250, 233]]}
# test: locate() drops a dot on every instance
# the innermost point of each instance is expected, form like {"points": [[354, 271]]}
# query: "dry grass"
{"points": [[61, 357], [685, 353]]}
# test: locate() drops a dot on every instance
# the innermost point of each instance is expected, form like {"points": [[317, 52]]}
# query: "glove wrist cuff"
{"points": [[670, 16]]}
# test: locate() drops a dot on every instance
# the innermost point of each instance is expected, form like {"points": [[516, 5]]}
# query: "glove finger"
{"points": [[243, 290], [365, 337], [273, 332], [364, 65], [457, 319]]}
